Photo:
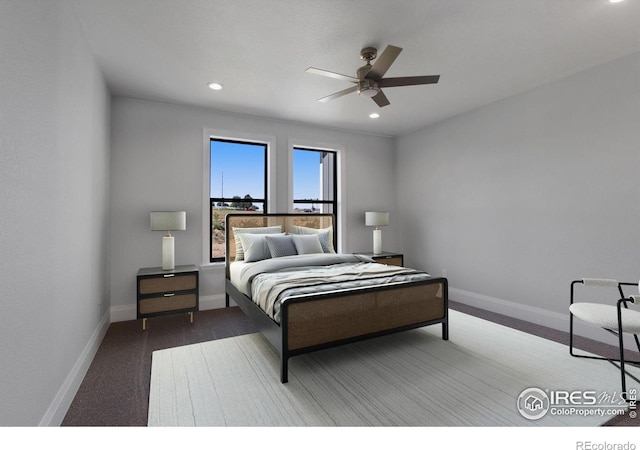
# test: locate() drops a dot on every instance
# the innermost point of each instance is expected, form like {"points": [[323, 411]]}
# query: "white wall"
{"points": [[157, 163], [519, 198], [54, 172]]}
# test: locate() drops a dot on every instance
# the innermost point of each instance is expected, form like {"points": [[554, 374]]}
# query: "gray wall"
{"points": [[513, 200], [519, 198], [157, 163], [54, 189]]}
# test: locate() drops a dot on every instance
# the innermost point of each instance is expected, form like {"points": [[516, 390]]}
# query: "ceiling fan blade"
{"points": [[383, 62], [408, 81], [380, 99], [326, 73], [338, 94]]}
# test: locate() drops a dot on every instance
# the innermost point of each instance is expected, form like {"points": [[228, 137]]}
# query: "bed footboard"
{"points": [[310, 324]]}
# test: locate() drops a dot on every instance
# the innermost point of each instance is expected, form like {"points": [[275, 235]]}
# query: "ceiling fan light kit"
{"points": [[369, 80], [368, 88]]}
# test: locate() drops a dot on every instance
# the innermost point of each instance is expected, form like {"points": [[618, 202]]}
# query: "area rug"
{"points": [[485, 375]]}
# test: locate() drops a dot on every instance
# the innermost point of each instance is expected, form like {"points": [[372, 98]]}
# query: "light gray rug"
{"points": [[412, 378]]}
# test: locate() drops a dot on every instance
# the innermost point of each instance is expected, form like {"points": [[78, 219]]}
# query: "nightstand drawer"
{"points": [[390, 261], [388, 258], [167, 303], [167, 283], [161, 292]]}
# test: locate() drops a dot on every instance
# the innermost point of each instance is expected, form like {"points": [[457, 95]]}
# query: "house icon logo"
{"points": [[533, 403]]}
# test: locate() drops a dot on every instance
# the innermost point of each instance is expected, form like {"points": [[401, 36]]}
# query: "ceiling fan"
{"points": [[369, 80]]}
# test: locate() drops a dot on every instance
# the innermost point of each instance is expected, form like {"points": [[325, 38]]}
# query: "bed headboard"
{"points": [[286, 221]]}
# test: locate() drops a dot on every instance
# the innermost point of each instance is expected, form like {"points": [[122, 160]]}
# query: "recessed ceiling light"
{"points": [[374, 115], [615, 1], [215, 86]]}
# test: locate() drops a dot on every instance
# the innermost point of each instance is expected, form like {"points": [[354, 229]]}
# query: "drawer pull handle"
{"points": [[169, 275], [169, 295]]}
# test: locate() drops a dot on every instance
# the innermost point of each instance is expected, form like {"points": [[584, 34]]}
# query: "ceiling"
{"points": [[169, 50]]}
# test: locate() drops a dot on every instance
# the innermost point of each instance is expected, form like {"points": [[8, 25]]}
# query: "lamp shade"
{"points": [[375, 219], [168, 220]]}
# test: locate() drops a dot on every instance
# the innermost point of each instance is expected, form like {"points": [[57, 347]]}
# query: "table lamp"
{"points": [[168, 221], [376, 219]]}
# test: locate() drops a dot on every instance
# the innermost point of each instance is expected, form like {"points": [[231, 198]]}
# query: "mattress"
{"points": [[270, 282]]}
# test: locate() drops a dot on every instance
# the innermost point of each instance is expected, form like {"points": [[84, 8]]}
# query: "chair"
{"points": [[616, 319]]}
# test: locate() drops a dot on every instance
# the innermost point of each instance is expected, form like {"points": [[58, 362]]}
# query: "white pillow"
{"points": [[255, 246], [257, 230], [324, 234], [307, 243]]}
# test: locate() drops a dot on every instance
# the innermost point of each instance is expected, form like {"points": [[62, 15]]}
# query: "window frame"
{"points": [[214, 200], [334, 189], [334, 176], [270, 189]]}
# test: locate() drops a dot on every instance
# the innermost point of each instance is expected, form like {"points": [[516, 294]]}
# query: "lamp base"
{"points": [[168, 253], [377, 242]]}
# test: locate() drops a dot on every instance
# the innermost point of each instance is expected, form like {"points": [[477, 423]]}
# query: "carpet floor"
{"points": [[115, 390]]}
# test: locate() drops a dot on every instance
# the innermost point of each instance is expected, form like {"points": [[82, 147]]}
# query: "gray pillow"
{"points": [[307, 244], [324, 234], [256, 230], [281, 245]]}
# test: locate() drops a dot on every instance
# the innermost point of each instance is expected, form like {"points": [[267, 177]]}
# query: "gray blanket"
{"points": [[277, 279]]}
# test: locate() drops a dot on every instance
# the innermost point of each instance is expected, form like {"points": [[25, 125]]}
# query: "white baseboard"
{"points": [[532, 314], [58, 408], [212, 302], [524, 312], [62, 401]]}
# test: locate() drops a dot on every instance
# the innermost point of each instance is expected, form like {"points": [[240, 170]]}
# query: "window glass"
{"points": [[238, 183], [314, 181]]}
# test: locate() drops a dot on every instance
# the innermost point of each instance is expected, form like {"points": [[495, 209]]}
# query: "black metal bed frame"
{"points": [[277, 334]]}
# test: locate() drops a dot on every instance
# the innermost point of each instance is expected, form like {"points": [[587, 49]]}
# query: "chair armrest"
{"points": [[604, 282], [598, 282]]}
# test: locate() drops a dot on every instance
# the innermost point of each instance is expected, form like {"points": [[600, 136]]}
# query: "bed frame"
{"points": [[310, 323]]}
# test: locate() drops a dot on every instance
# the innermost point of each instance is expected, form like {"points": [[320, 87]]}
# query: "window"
{"points": [[238, 183], [314, 181]]}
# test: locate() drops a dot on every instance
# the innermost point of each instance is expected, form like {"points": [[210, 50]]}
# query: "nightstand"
{"points": [[389, 258], [161, 292]]}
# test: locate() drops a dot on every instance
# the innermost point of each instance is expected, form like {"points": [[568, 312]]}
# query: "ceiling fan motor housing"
{"points": [[368, 88]]}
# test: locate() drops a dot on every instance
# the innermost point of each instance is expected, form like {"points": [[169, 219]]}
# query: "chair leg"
{"points": [[635, 336], [571, 334], [621, 345], [571, 320], [622, 372]]}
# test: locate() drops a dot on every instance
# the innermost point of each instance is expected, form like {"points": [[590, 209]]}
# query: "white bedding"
{"points": [[241, 272], [236, 268], [269, 282]]}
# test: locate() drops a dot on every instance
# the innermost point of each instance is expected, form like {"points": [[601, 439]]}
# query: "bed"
{"points": [[309, 297]]}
